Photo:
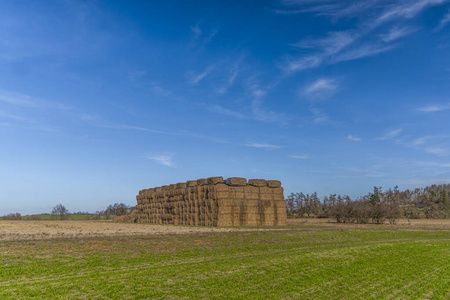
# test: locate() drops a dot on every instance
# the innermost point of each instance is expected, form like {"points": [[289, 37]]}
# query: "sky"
{"points": [[100, 99]]}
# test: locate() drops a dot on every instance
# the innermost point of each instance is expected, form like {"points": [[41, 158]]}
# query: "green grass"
{"points": [[297, 263]]}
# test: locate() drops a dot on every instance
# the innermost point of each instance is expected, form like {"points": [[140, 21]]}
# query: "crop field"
{"points": [[300, 261]]}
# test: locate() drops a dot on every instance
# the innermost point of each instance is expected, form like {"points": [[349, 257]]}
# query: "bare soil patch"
{"points": [[41, 230]]}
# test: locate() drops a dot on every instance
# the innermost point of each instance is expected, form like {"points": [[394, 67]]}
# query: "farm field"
{"points": [[315, 259]]}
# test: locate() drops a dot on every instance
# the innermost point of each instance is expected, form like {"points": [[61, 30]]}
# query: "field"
{"points": [[315, 259]]}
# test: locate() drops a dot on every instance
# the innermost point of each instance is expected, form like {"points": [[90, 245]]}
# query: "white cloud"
{"points": [[444, 21], [325, 48], [434, 108], [353, 138], [344, 45], [196, 31], [165, 160], [391, 134], [28, 101], [333, 43], [265, 115], [196, 78], [396, 33], [300, 156], [406, 9], [335, 9], [437, 151], [225, 111], [363, 51], [16, 117], [319, 115], [263, 145], [320, 88]]}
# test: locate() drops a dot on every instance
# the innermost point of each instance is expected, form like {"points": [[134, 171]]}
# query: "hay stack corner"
{"points": [[212, 202]]}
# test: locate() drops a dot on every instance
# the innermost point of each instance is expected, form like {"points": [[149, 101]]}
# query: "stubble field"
{"points": [[316, 259]]}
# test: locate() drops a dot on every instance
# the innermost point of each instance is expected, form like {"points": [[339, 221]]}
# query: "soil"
{"points": [[40, 230]]}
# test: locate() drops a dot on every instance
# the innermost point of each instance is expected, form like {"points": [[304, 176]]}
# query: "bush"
{"points": [[12, 217]]}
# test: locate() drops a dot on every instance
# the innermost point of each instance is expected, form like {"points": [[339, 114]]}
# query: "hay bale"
{"points": [[257, 182], [215, 180], [236, 181], [202, 181], [273, 183]]}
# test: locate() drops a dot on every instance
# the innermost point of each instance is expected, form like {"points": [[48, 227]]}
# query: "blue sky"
{"points": [[100, 99]]}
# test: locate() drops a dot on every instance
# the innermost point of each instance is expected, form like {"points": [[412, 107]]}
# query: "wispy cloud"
{"points": [[199, 38], [444, 21], [263, 145], [406, 9], [366, 50], [356, 43], [319, 116], [28, 101], [396, 33], [353, 138], [16, 117], [438, 151], [335, 9], [391, 134], [320, 88], [195, 78], [196, 32], [299, 156], [324, 49], [262, 114], [165, 160], [434, 108], [226, 111], [183, 133], [137, 128]]}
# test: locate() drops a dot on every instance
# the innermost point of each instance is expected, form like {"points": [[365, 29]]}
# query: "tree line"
{"points": [[60, 212], [377, 206]]}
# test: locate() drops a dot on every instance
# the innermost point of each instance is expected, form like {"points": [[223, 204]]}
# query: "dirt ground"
{"points": [[39, 230]]}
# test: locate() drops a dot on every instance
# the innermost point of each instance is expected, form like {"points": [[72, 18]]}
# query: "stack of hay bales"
{"points": [[213, 202]]}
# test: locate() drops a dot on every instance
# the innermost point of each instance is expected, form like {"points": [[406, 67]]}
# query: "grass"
{"points": [[299, 262]]}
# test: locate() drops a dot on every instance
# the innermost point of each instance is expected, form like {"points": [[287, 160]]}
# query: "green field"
{"points": [[300, 262]]}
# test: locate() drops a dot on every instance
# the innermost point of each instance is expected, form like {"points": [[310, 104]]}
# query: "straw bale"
{"points": [[239, 189], [220, 188], [202, 181], [266, 190], [251, 196], [257, 182], [180, 185], [165, 187], [236, 181], [238, 195], [225, 218], [280, 204], [273, 183], [266, 197], [278, 190], [215, 180], [250, 189], [252, 203], [252, 219], [191, 183]]}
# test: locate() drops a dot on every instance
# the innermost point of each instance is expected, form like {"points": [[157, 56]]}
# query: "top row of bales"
{"points": [[232, 181]]}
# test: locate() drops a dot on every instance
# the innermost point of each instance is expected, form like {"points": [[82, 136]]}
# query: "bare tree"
{"points": [[60, 212]]}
